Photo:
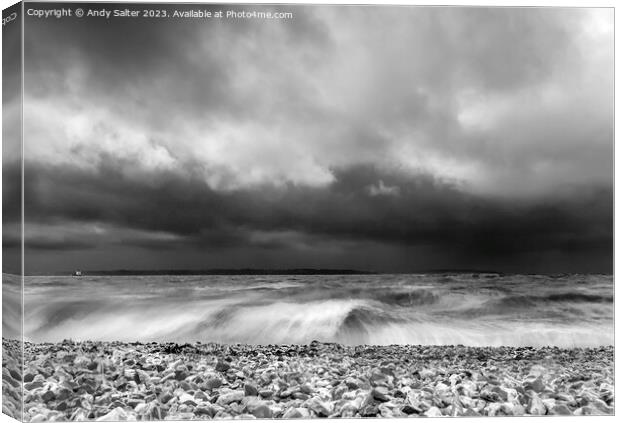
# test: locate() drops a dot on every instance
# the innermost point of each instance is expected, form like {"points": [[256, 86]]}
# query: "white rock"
{"points": [[186, 398], [433, 412], [227, 398], [536, 407], [118, 414]]}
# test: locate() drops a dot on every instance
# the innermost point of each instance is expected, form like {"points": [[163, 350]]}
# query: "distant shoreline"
{"points": [[294, 272]]}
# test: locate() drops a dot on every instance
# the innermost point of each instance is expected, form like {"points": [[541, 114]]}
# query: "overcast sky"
{"points": [[377, 138]]}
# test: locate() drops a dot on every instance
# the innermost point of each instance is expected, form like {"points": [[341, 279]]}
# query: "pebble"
{"points": [[433, 412], [380, 393], [322, 409], [118, 414], [186, 398], [536, 406], [265, 393], [222, 366], [118, 381], [293, 413], [262, 411], [250, 390], [229, 397]]}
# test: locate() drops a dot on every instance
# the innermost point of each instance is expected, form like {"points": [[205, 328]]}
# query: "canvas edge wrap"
{"points": [[12, 211]]}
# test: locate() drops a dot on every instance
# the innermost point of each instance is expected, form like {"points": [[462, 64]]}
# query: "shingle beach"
{"points": [[111, 381]]}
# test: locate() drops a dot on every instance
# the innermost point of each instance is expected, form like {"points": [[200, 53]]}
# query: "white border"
{"points": [[504, 3]]}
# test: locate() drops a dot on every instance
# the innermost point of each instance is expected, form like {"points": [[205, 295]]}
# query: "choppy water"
{"points": [[480, 310]]}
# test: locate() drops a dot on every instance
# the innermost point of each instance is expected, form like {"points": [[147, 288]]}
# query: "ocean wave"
{"points": [[378, 309], [11, 306]]}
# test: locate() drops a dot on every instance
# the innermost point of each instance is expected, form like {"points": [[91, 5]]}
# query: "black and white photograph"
{"points": [[219, 211]]}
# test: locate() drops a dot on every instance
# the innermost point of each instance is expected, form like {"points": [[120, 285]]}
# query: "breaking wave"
{"points": [[377, 309]]}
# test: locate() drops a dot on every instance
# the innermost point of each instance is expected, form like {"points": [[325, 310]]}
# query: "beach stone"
{"points": [[287, 393], [230, 397], [266, 377], [593, 411], [155, 412], [561, 409], [352, 383], [235, 408], [180, 374], [502, 394], [600, 405], [185, 386], [433, 412], [213, 383], [265, 393], [15, 374], [118, 414], [409, 409], [261, 411], [165, 397], [133, 403], [301, 396], [536, 406], [250, 390], [6, 373], [426, 373], [549, 403], [322, 409], [16, 384], [222, 366], [579, 412], [471, 413], [186, 398], [79, 415], [38, 418], [535, 385], [292, 413], [348, 410], [369, 410], [28, 386], [380, 393], [399, 394], [338, 392], [378, 378], [199, 395], [492, 409], [205, 410], [63, 393], [518, 410], [387, 412], [489, 395], [567, 398], [48, 396], [181, 416]]}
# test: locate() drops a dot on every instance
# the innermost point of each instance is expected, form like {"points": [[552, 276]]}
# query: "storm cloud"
{"points": [[379, 138]]}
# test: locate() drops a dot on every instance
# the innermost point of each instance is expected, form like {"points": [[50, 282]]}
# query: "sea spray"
{"points": [[514, 310]]}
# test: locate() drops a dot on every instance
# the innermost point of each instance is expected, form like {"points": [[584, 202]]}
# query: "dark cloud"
{"points": [[423, 212], [390, 138], [11, 139]]}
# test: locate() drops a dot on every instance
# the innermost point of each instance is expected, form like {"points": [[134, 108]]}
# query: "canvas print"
{"points": [[244, 211]]}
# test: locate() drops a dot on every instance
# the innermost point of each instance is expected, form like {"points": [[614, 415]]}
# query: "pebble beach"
{"points": [[114, 381]]}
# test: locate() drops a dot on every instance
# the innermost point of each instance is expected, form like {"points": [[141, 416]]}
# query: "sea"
{"points": [[428, 309]]}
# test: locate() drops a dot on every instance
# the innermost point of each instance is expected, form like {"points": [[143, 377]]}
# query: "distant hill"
{"points": [[124, 272], [460, 271]]}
